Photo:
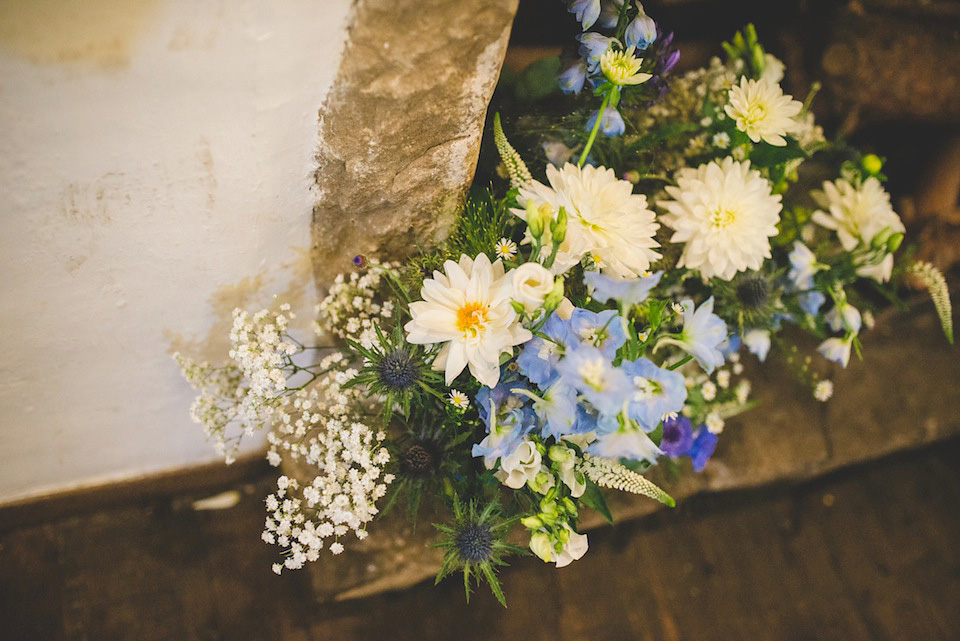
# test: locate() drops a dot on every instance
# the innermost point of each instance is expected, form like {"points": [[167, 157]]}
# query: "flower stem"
{"points": [[596, 128]]}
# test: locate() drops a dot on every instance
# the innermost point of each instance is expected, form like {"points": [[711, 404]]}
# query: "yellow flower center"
{"points": [[472, 319], [722, 218]]}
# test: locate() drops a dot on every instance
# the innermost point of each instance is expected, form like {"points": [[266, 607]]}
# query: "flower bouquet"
{"points": [[582, 323]]}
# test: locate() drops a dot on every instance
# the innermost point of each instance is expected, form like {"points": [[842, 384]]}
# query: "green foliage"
{"points": [[483, 221]]}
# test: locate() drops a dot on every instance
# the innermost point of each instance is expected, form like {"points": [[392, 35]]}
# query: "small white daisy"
{"points": [[459, 400], [823, 391], [714, 423], [505, 248]]}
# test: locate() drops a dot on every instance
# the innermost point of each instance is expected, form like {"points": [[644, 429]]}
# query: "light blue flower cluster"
{"points": [[573, 377], [639, 34]]}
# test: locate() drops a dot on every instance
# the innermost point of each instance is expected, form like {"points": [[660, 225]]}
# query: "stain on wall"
{"points": [[100, 32]]}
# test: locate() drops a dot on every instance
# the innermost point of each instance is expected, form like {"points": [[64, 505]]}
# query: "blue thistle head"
{"points": [[397, 370], [474, 542]]}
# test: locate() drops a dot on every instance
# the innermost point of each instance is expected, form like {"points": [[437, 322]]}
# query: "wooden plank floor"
{"points": [[868, 553]]}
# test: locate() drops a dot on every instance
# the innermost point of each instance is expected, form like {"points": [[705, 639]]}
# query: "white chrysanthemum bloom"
{"points": [[858, 215], [468, 308], [725, 214], [604, 219], [762, 111], [623, 67]]}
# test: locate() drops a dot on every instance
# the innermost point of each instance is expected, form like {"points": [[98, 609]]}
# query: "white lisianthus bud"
{"points": [[565, 309], [531, 284], [520, 466], [540, 545]]}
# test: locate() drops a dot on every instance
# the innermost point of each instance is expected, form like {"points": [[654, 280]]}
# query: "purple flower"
{"points": [[610, 125], [702, 449], [677, 436]]}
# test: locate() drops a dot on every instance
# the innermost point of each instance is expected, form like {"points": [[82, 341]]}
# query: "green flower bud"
{"points": [[517, 307], [553, 299], [531, 522], [871, 164], [534, 219], [560, 453], [632, 176], [563, 537], [540, 545], [893, 243], [570, 506], [558, 227]]}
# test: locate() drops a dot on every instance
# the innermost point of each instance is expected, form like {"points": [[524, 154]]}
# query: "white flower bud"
{"points": [[531, 284]]}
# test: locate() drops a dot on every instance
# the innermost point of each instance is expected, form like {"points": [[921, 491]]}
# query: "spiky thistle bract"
{"points": [[474, 544]]}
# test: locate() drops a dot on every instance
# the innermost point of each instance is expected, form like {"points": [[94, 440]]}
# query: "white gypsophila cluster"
{"points": [[220, 389], [341, 498], [609, 473], [261, 350], [352, 306], [684, 104]]}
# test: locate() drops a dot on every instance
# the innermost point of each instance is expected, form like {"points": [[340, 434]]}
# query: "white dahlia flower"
{"points": [[604, 219], [725, 214], [762, 111], [468, 308], [859, 215]]}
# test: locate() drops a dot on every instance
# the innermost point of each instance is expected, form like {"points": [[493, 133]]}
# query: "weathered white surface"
{"points": [[155, 171]]}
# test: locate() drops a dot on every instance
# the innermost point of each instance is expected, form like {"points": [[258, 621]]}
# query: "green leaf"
{"points": [[593, 498]]}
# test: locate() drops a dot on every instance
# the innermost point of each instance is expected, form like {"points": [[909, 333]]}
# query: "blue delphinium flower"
{"points": [[677, 436], [561, 412], [803, 267], [844, 317], [758, 342], [625, 441], [628, 291], [538, 360], [611, 124], [703, 333], [837, 349], [641, 32], [702, 449], [592, 46], [592, 374], [587, 11], [603, 330], [609, 13], [656, 392], [572, 78], [508, 417]]}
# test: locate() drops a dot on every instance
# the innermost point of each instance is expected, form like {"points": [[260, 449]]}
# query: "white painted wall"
{"points": [[155, 170]]}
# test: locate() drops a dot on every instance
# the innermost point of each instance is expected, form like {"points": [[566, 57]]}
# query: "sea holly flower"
{"points": [[703, 334], [592, 374], [586, 11], [622, 67], [467, 308], [725, 214], [627, 291], [656, 392], [603, 330], [605, 219], [762, 111], [611, 125]]}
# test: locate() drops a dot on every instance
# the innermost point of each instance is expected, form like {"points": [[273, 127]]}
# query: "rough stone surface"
{"points": [[400, 131], [903, 394]]}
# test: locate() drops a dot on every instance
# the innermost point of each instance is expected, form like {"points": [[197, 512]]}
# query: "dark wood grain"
{"points": [[867, 553]]}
